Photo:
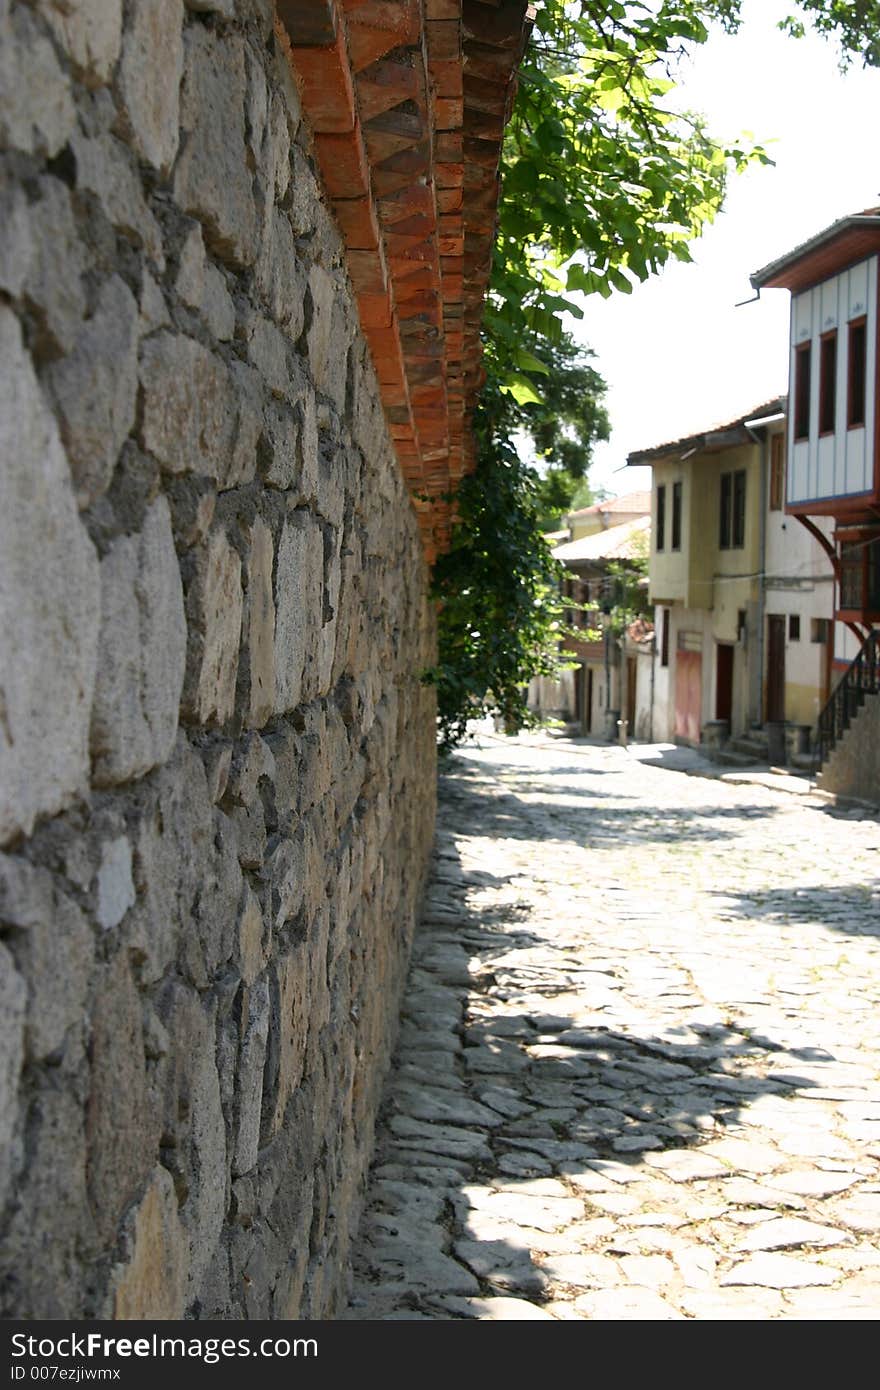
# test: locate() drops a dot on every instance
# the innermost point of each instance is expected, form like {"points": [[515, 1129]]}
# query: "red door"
{"points": [[688, 695]]}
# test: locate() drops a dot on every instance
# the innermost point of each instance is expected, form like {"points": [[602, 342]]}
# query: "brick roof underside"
{"points": [[408, 100]]}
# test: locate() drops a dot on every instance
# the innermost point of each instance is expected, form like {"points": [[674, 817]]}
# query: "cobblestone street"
{"points": [[637, 1075]]}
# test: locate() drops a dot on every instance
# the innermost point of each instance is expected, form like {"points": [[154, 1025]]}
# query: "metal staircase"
{"points": [[862, 678]]}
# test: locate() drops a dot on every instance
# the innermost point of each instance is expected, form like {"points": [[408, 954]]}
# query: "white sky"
{"points": [[677, 355]]}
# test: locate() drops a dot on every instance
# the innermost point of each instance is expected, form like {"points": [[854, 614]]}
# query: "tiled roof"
{"points": [[624, 542], [408, 100], [714, 437], [636, 502], [851, 237]]}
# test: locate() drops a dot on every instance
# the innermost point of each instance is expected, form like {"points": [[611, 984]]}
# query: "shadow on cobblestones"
{"points": [[852, 908], [509, 1143], [610, 1100], [513, 815]]}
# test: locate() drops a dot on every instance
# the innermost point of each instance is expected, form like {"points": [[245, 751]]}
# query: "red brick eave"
{"points": [[407, 100]]}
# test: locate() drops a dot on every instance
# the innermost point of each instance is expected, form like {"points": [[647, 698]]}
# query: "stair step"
{"points": [[734, 757], [750, 747]]}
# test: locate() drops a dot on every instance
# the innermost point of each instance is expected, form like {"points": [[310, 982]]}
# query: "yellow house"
{"points": [[603, 516], [741, 603]]}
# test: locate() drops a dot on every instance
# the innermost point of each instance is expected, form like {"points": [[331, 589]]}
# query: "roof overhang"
{"points": [[407, 100], [713, 441], [846, 241]]}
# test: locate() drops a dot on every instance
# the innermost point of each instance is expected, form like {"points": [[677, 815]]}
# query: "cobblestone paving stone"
{"points": [[638, 1067]]}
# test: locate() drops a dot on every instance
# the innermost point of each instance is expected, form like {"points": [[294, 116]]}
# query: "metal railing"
{"points": [[861, 678]]}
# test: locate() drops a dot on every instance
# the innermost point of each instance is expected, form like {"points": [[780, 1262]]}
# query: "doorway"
{"points": [[724, 681], [688, 688], [587, 721], [775, 667]]}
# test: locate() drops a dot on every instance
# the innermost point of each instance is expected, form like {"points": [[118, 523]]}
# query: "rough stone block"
{"points": [[278, 446], [90, 31], [214, 613], [154, 310], [250, 831], [54, 950], [212, 180], [53, 288], [250, 1080], [260, 625], [13, 1003], [142, 652], [308, 449], [48, 588], [306, 196], [194, 1118], [254, 761], [202, 287], [190, 280], [256, 105], [217, 305], [267, 350], [95, 390], [151, 1281], [121, 1126], [37, 114], [188, 406], [284, 874], [16, 244], [49, 1227], [248, 402], [280, 275], [172, 841], [251, 949], [104, 167], [148, 81], [115, 884], [299, 610], [293, 1028], [328, 336], [220, 886], [327, 649]]}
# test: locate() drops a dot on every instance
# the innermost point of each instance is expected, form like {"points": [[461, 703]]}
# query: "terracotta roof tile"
{"points": [[636, 502], [408, 105]]}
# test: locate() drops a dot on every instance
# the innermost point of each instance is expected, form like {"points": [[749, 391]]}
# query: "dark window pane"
{"points": [[676, 516], [873, 586], [802, 391], [827, 383], [738, 538], [856, 367], [851, 576], [794, 627], [777, 472], [725, 511], [661, 517]]}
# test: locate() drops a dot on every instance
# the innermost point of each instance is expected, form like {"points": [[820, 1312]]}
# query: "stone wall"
{"points": [[216, 757], [853, 767]]}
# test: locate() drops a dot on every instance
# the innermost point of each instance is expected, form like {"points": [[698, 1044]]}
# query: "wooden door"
{"points": [[688, 695], [724, 681], [775, 667], [631, 694]]}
